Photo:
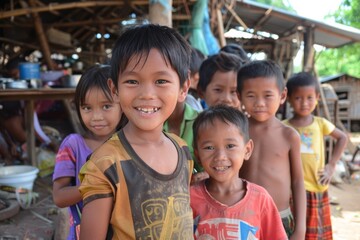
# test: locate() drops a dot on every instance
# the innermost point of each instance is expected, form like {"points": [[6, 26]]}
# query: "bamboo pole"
{"points": [[42, 37]]}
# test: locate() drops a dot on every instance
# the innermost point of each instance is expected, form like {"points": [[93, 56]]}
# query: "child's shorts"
{"points": [[288, 222]]}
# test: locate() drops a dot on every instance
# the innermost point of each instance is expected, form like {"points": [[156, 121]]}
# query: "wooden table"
{"points": [[30, 96]]}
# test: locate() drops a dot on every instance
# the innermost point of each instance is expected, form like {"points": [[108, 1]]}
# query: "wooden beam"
{"points": [[54, 7], [266, 16], [236, 16]]}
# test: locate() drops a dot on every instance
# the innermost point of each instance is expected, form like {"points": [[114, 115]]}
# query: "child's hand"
{"points": [[326, 174], [197, 177]]}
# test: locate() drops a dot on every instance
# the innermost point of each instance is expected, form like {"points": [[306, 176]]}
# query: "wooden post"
{"points": [[160, 14], [308, 61], [220, 27], [41, 36]]}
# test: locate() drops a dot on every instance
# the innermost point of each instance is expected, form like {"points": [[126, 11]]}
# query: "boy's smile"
{"points": [[222, 155], [149, 90]]}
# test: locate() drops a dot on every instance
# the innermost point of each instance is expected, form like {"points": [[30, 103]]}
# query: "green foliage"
{"points": [[347, 58]]}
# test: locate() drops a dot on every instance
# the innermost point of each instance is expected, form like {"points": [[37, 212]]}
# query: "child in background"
{"points": [[217, 83], [226, 206], [136, 185], [303, 95], [193, 98], [100, 117], [275, 163], [181, 120]]}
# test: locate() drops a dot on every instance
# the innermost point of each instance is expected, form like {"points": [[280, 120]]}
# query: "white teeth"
{"points": [[148, 110], [221, 168]]}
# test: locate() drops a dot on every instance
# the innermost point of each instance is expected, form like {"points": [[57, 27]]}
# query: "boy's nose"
{"points": [[147, 91], [220, 155], [260, 102]]}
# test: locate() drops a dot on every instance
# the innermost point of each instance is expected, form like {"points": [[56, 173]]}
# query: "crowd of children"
{"points": [[157, 164]]}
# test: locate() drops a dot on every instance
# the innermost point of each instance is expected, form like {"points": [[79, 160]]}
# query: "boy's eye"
{"points": [[131, 81], [230, 146], [161, 81], [208, 148]]}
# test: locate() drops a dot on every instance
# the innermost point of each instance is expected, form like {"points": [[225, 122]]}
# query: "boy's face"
{"points": [[148, 91], [261, 97], [222, 90], [303, 100], [100, 115], [221, 150]]}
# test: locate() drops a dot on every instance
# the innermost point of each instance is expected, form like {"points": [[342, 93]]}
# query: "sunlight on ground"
{"points": [[346, 226]]}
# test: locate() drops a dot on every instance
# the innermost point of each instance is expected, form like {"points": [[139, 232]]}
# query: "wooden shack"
{"points": [[347, 89]]}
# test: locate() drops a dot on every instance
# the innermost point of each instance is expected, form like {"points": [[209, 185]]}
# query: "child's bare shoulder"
{"points": [[289, 132]]}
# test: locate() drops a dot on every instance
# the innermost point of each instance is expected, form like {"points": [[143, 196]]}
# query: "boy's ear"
{"points": [[184, 90], [283, 95], [248, 149], [113, 90]]}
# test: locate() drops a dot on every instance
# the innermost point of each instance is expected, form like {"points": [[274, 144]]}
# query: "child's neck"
{"points": [[226, 193], [268, 123], [301, 121], [94, 141], [139, 137]]}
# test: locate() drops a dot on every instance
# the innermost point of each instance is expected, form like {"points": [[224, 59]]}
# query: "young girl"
{"points": [[100, 117], [303, 95]]}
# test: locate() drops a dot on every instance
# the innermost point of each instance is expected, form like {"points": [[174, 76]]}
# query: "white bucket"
{"points": [[18, 176]]}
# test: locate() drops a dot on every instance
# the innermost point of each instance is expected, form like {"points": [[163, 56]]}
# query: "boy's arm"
{"points": [[95, 219], [297, 186], [340, 144]]}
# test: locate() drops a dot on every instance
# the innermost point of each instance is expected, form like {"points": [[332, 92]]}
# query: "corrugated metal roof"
{"points": [[283, 23]]}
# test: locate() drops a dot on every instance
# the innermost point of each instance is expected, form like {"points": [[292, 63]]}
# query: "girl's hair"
{"points": [[301, 79], [94, 77], [197, 57], [223, 62], [226, 114], [260, 68], [139, 40]]}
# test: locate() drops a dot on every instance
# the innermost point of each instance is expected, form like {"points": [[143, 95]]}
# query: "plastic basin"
{"points": [[18, 176]]}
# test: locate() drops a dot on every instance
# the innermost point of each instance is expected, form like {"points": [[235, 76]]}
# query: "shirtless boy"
{"points": [[275, 162]]}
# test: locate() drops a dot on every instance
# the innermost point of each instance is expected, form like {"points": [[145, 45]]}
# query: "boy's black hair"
{"points": [[227, 114], [223, 62], [139, 40], [94, 77], [260, 68], [197, 57], [301, 79], [237, 50]]}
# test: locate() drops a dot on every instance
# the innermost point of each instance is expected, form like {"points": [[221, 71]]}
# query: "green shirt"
{"points": [[186, 131]]}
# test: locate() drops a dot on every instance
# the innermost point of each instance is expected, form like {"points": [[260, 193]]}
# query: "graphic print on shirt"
{"points": [[306, 142], [227, 229]]}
